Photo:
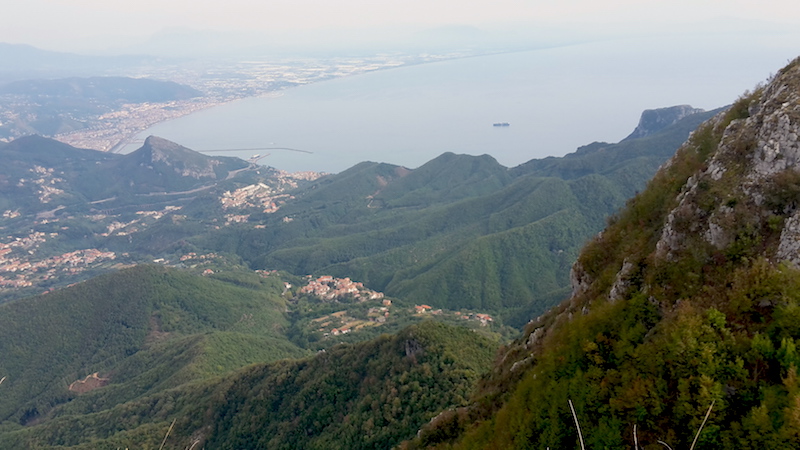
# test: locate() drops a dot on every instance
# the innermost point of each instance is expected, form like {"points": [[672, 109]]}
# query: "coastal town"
{"points": [[35, 256], [116, 127]]}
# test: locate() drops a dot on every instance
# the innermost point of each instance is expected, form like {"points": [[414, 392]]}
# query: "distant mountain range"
{"points": [[459, 231], [19, 62], [99, 89], [414, 234], [54, 106]]}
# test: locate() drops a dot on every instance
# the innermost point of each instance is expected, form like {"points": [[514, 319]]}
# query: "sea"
{"points": [[553, 100]]}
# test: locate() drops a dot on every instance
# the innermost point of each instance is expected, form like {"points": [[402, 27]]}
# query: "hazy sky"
{"points": [[75, 24]]}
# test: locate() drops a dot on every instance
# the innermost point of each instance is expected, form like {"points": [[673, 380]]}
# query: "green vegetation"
{"points": [[369, 395], [666, 320], [149, 345], [459, 231], [146, 329]]}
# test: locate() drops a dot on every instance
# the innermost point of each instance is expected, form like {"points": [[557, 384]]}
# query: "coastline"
{"points": [[131, 136], [115, 130]]}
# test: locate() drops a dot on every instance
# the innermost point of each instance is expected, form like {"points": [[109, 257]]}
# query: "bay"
{"points": [[554, 100]]}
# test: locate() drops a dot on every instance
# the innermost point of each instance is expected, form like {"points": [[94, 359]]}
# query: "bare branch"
{"points": [[664, 444], [705, 419], [167, 435], [577, 425]]}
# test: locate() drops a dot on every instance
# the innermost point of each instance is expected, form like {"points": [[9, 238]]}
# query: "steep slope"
{"points": [[687, 303], [655, 120]]}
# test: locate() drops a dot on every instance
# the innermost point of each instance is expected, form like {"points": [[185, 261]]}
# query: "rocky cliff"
{"points": [[654, 120], [185, 162]]}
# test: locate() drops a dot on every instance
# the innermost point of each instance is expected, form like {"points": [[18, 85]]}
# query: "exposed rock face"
{"points": [[183, 161], [789, 247], [715, 222], [655, 120], [622, 282], [579, 280], [742, 176]]}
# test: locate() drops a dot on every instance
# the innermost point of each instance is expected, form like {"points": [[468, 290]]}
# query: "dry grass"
{"points": [[167, 435], [635, 436]]}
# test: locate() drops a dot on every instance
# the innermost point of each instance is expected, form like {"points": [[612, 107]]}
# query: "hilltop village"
{"points": [[377, 309]]}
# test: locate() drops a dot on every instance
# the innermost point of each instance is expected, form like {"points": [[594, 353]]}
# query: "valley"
{"points": [[239, 306], [163, 272]]}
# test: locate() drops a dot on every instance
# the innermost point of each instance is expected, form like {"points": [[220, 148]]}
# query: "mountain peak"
{"points": [[184, 161], [654, 120]]}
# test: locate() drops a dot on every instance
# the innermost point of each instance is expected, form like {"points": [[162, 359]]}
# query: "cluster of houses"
{"points": [[45, 183], [236, 218], [194, 256], [25, 271], [484, 319], [126, 228], [255, 195], [260, 195], [335, 289]]}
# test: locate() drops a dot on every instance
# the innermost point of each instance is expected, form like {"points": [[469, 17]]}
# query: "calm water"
{"points": [[554, 100]]}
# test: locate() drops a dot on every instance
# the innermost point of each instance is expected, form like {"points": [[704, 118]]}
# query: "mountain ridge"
{"points": [[683, 307], [388, 230]]}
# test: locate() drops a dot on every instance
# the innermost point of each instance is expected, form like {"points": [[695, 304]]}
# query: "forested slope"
{"points": [[684, 309], [141, 331]]}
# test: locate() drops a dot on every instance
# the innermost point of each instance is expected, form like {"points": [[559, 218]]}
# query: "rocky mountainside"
{"points": [[655, 120], [682, 326], [175, 158]]}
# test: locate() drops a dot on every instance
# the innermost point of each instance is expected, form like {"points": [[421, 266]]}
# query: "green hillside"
{"points": [[369, 395], [684, 309], [460, 231], [142, 330], [39, 174], [53, 106], [158, 166]]}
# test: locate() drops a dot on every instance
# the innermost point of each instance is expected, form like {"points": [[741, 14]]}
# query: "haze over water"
{"points": [[555, 100]]}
